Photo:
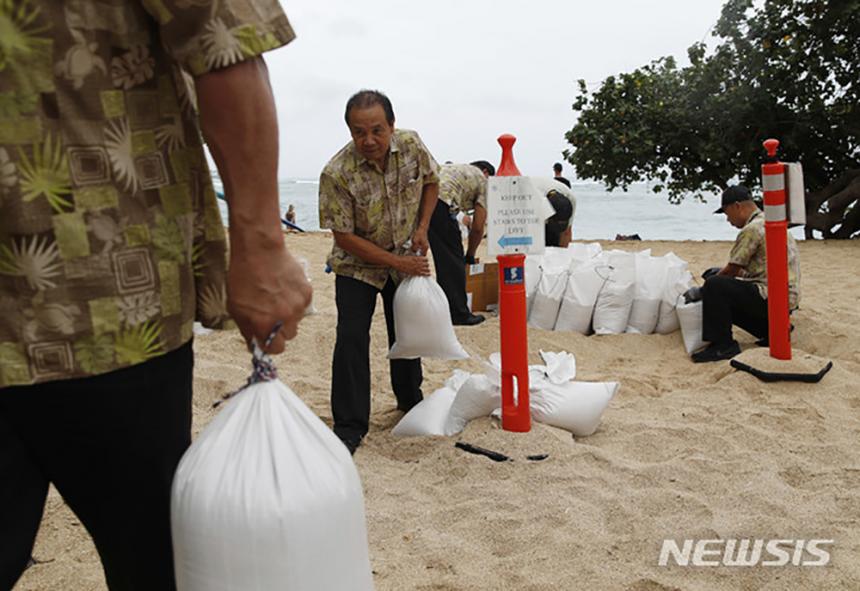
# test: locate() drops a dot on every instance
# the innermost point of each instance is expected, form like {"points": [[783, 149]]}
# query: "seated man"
{"points": [[737, 293]]}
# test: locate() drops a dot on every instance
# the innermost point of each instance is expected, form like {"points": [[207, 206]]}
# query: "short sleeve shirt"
{"points": [[356, 197], [462, 186], [749, 252], [111, 241]]}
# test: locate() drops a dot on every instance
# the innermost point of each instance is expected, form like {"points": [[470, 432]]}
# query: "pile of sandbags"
{"points": [[587, 290], [554, 398]]}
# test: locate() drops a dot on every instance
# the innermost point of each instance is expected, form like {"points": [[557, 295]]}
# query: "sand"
{"points": [[684, 451]]}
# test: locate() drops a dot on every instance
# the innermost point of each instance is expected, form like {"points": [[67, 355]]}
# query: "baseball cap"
{"points": [[734, 194]]}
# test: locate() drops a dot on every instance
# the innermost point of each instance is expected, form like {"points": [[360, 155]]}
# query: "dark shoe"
{"points": [[352, 444], [716, 352], [470, 320]]}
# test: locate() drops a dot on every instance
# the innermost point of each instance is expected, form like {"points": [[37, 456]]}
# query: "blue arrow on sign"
{"points": [[506, 241]]}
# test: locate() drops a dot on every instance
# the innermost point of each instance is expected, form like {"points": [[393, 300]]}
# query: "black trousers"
{"points": [[727, 301], [448, 256], [110, 444], [350, 384]]}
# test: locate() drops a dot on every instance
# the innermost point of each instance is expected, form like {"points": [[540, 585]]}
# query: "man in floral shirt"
{"points": [[737, 293], [462, 187], [111, 245], [376, 195]]}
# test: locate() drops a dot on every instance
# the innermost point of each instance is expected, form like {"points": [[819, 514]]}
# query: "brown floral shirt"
{"points": [[462, 187], [749, 252], [111, 243], [355, 196]]}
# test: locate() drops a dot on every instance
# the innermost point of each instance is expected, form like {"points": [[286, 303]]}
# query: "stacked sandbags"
{"points": [[555, 268], [587, 290], [615, 300]]}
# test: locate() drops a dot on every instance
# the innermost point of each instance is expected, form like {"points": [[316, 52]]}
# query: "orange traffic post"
{"points": [[512, 321], [776, 244]]}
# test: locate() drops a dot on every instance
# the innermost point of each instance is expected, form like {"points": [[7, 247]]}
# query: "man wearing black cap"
{"points": [[737, 293]]}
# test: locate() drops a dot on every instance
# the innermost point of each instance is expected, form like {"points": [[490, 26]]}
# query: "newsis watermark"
{"points": [[745, 552]]}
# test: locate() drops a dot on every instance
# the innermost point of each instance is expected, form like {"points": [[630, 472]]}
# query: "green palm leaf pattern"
{"points": [[95, 354], [33, 259], [47, 174], [8, 172], [140, 343], [168, 239], [198, 263], [18, 30]]}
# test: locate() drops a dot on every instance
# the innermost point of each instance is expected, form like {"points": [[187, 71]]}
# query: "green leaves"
{"points": [[789, 69]]}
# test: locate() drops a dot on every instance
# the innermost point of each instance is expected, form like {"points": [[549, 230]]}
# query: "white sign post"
{"points": [[516, 213]]}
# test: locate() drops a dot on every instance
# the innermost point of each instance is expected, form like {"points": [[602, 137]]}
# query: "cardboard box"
{"points": [[482, 286]]}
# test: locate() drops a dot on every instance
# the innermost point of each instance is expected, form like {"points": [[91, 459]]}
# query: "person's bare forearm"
{"points": [[364, 249], [266, 287], [239, 122], [732, 270], [373, 254], [476, 232]]}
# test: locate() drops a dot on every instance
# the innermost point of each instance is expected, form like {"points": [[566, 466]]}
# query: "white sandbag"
{"points": [[533, 272], [650, 285], [690, 317], [477, 397], [574, 406], [581, 252], [560, 366], [577, 305], [247, 513], [306, 267], [547, 300], [612, 308], [428, 417], [422, 322], [678, 280]]}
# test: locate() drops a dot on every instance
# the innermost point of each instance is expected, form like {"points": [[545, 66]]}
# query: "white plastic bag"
{"points": [[422, 322], [577, 305], [650, 285], [428, 417], [690, 317], [678, 280], [264, 498], [555, 267], [306, 267], [533, 273], [477, 397], [574, 406]]}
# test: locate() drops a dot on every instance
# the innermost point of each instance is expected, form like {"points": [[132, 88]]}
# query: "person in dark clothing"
{"points": [[556, 170]]}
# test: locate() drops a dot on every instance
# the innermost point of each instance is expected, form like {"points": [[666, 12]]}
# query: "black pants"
{"points": [[110, 445], [727, 301], [350, 384], [447, 246]]}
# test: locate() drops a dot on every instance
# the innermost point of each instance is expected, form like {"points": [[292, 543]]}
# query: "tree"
{"points": [[789, 69]]}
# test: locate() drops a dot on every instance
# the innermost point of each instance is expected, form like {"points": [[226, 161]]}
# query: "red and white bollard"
{"points": [[776, 241], [516, 415]]}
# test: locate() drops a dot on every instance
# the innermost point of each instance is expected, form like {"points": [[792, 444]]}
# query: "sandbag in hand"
{"points": [[694, 294]]}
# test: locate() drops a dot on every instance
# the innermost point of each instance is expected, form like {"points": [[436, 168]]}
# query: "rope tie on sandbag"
{"points": [[264, 366]]}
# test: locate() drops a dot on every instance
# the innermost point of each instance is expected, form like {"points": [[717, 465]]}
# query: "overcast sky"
{"points": [[463, 72]]}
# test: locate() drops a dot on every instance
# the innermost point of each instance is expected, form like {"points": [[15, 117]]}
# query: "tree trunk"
{"points": [[835, 210]]}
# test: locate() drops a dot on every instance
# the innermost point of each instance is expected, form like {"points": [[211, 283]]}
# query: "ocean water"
{"points": [[600, 214]]}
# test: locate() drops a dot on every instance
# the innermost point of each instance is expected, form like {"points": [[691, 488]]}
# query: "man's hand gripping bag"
{"points": [[267, 498]]}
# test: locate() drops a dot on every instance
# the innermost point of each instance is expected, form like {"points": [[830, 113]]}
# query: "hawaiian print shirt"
{"points": [[111, 242], [462, 187], [749, 252], [355, 196]]}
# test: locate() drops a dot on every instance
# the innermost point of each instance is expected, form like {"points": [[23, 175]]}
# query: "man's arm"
{"points": [[429, 196], [732, 270], [265, 284], [368, 251], [476, 232]]}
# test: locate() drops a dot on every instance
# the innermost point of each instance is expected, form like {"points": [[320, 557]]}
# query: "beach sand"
{"points": [[684, 451]]}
